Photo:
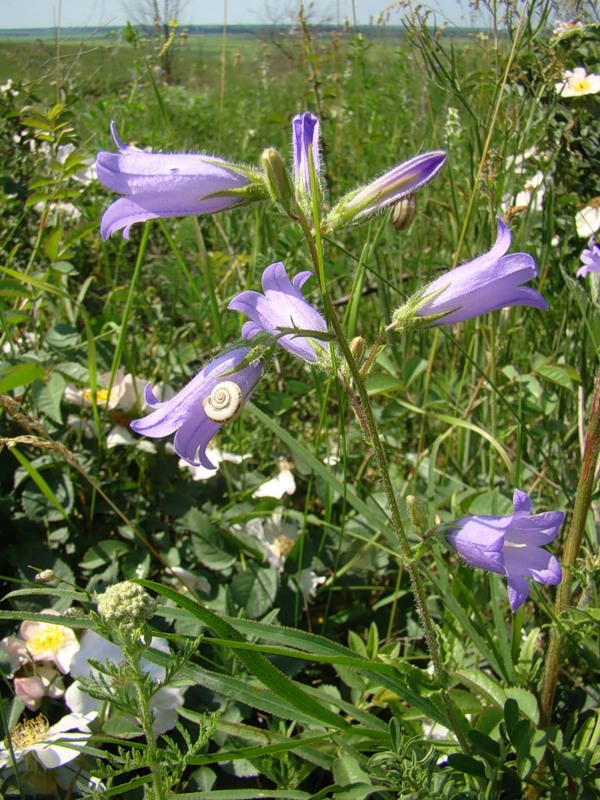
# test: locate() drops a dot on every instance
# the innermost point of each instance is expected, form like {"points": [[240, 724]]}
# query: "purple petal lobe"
{"points": [[479, 541], [185, 412], [168, 185], [511, 545], [488, 283], [281, 306], [521, 503], [590, 258], [305, 134], [518, 591]]}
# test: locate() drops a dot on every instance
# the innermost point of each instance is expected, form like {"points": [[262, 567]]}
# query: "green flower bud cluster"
{"points": [[126, 605]]}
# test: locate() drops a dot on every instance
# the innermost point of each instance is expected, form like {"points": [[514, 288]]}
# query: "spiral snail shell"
{"points": [[403, 212], [224, 402]]}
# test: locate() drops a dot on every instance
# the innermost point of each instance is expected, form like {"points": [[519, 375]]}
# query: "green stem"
{"points": [[373, 440], [146, 717], [583, 497]]}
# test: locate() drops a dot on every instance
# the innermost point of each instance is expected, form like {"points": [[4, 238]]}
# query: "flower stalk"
{"points": [[373, 440], [574, 539]]}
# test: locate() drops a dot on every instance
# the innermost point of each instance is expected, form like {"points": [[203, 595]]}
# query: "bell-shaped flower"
{"points": [[215, 396], [306, 134], [282, 307], [404, 179], [170, 185], [590, 258], [492, 281], [511, 546]]}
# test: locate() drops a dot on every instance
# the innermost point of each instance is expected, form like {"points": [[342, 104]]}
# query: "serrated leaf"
{"points": [[103, 553], [292, 693], [487, 686], [47, 396], [211, 548], [556, 374], [50, 497], [255, 589]]}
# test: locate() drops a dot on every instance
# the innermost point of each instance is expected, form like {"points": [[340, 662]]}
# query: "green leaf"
{"points": [[103, 553], [484, 744], [466, 764], [257, 664], [408, 682], [20, 375], [255, 589], [47, 396], [556, 374], [511, 715], [210, 546], [487, 686], [49, 499], [62, 336], [383, 384], [527, 702], [347, 770]]}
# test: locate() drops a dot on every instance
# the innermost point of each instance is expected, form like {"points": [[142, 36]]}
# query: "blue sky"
{"points": [[100, 13]]}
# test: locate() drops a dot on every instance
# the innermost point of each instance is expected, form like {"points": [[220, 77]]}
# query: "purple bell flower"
{"points": [[511, 546], [306, 132], [215, 396], [170, 185], [404, 179], [590, 258], [281, 306], [492, 281]]}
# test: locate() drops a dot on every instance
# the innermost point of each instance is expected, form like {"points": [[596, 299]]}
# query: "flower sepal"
{"points": [[407, 316], [251, 193]]}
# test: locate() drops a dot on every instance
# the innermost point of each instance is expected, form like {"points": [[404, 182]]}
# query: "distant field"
{"points": [[105, 59]]}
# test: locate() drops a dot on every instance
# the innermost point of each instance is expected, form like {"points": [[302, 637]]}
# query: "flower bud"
{"points": [[400, 182], [357, 348], [126, 605], [45, 576], [277, 179]]}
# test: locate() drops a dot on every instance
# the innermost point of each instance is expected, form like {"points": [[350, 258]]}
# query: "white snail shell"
{"points": [[224, 402]]}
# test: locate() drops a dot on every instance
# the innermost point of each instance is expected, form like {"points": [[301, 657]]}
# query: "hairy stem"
{"points": [[373, 440], [583, 496]]}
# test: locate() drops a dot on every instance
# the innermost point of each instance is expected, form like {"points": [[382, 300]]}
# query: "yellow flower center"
{"points": [[28, 732], [282, 545], [102, 395], [51, 637], [580, 85]]}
